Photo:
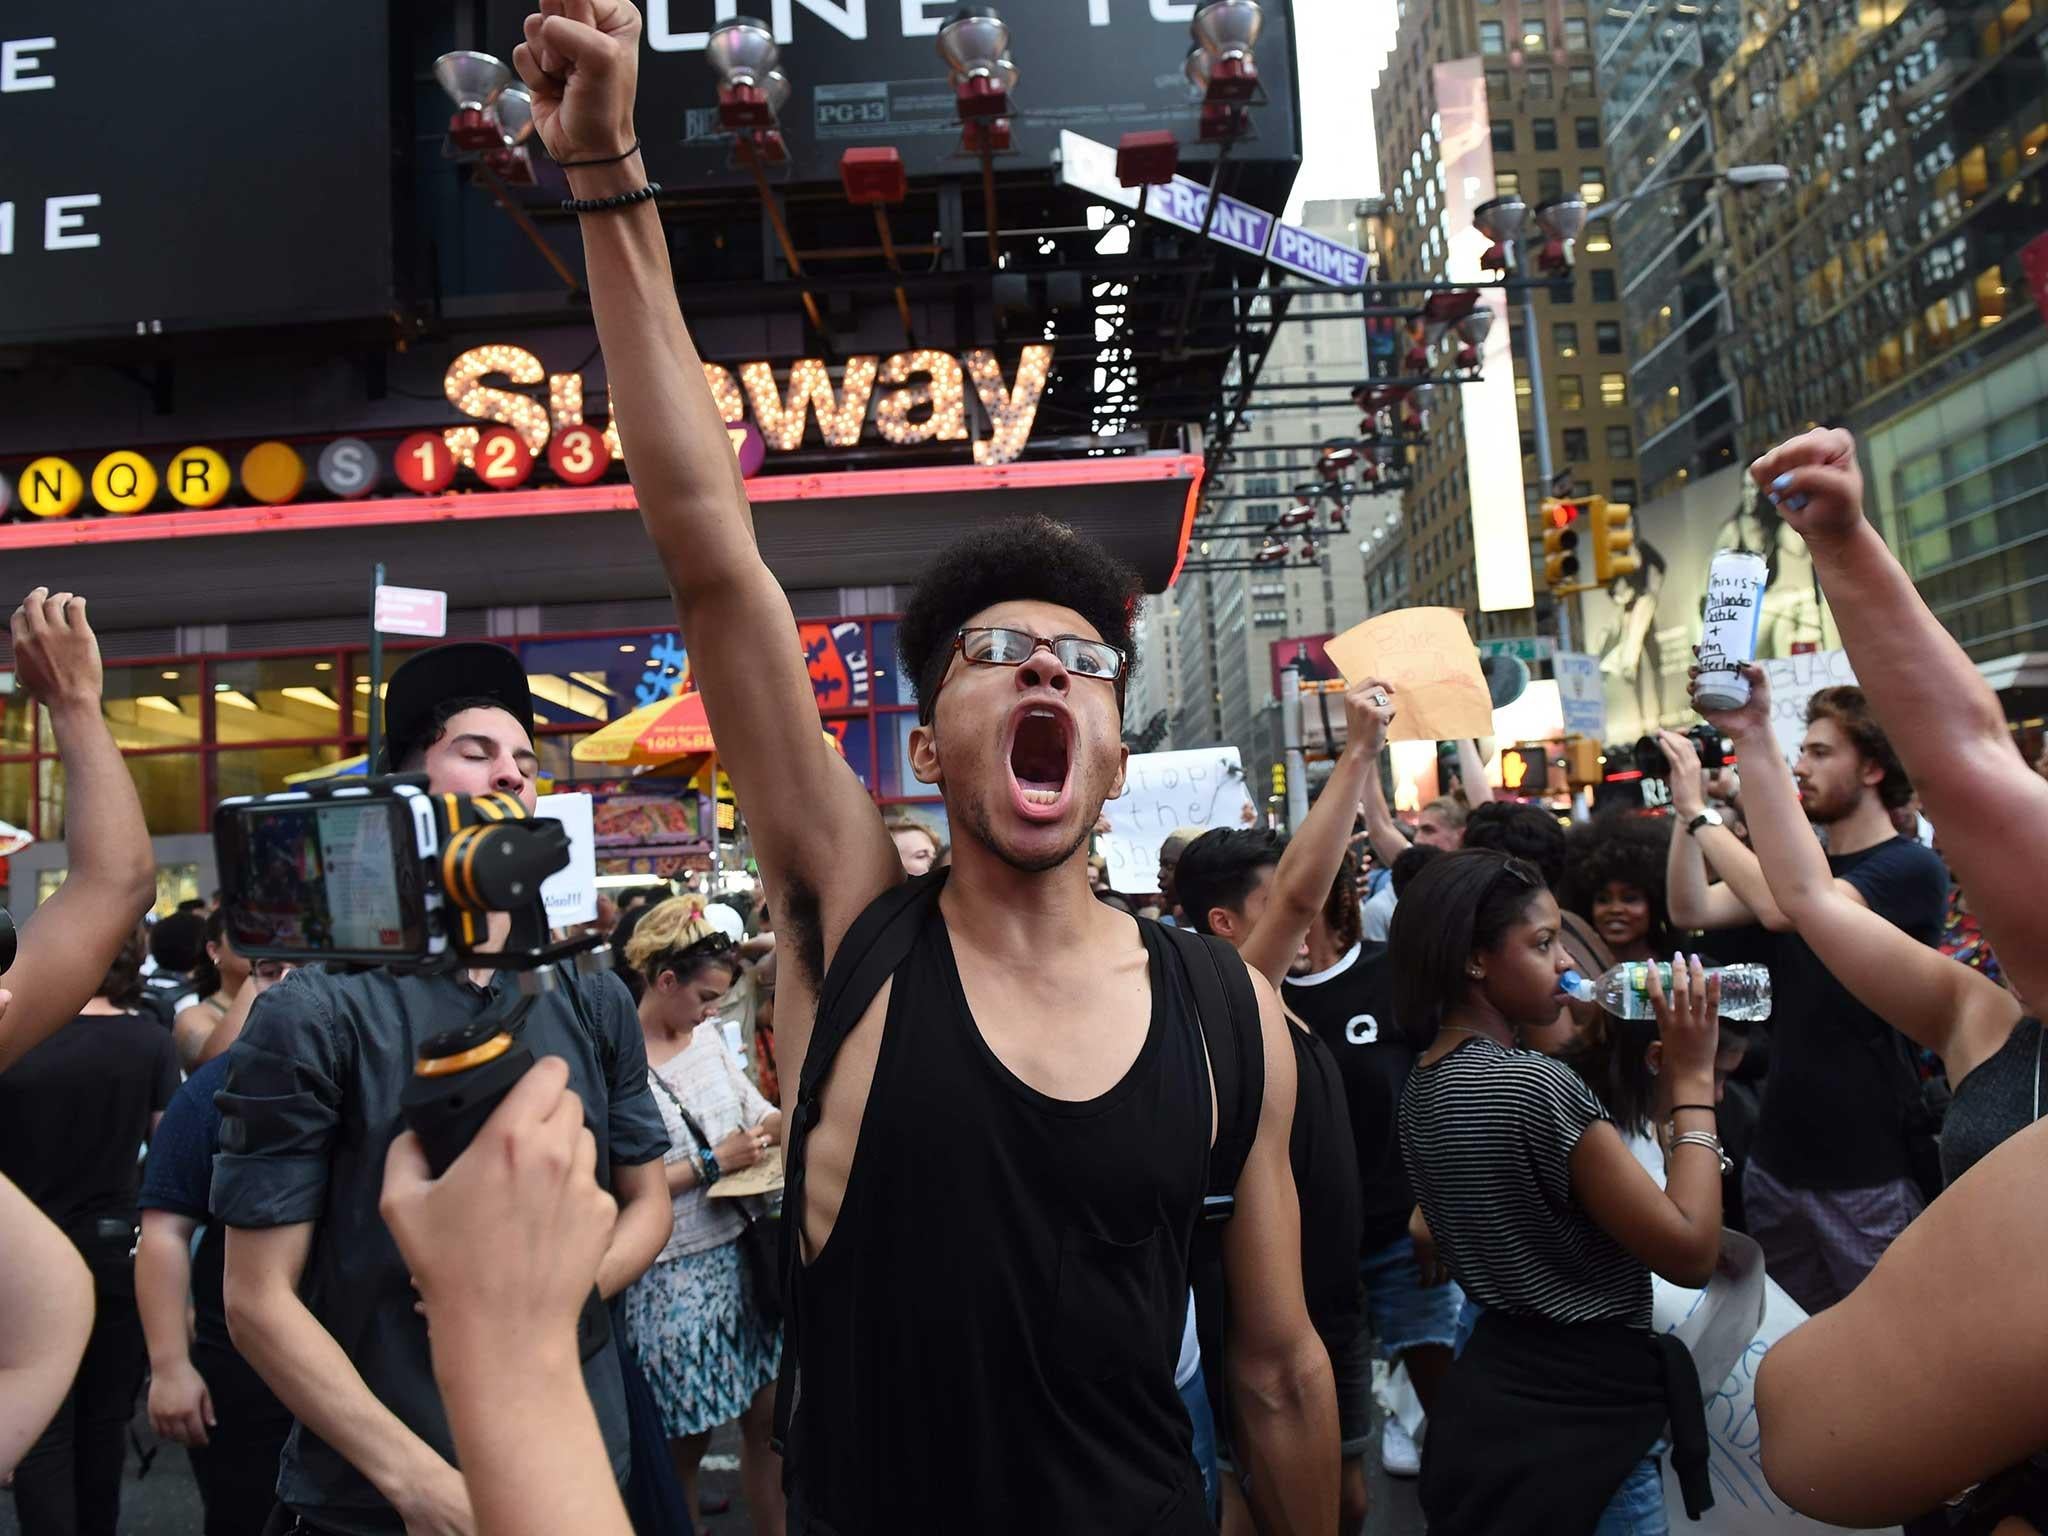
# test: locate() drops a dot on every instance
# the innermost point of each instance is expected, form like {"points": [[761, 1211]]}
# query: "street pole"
{"points": [[376, 676], [1290, 745], [1539, 417]]}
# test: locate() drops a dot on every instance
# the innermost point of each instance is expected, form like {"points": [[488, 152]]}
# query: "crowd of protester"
{"points": [[1092, 1223]]}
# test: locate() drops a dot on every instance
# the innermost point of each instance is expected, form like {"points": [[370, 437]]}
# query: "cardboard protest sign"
{"points": [[1203, 787], [1794, 682], [1429, 657]]}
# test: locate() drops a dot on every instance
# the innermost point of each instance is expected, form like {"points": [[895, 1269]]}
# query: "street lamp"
{"points": [[1742, 177]]}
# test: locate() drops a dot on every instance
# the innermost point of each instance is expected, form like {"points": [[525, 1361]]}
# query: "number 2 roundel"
{"points": [[423, 463], [579, 455], [503, 461]]}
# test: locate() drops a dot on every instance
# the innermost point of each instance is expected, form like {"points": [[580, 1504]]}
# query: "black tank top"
{"points": [[2001, 1097], [1324, 1157], [990, 1333]]}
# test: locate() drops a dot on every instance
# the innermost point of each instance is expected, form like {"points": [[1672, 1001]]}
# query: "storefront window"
{"points": [[892, 684], [17, 791], [17, 722], [266, 770], [153, 706], [588, 682], [359, 686], [168, 784], [559, 766], [276, 699]]}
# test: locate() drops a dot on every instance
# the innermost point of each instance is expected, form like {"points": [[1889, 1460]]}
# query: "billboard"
{"points": [[1643, 626], [178, 169], [868, 72]]}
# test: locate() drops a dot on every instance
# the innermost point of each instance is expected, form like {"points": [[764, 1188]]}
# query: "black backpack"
{"points": [[878, 942]]}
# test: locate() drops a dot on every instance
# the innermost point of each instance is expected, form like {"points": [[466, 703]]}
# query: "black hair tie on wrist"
{"points": [[570, 165], [613, 203], [1707, 1109]]}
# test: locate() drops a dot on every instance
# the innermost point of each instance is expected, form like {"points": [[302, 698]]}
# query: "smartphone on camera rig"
{"points": [[384, 872]]}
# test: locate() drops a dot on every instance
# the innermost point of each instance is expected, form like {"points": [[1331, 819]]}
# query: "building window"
{"points": [[1592, 185], [1535, 34], [1571, 392], [1493, 37], [1582, 79], [1522, 391], [1549, 182], [1586, 132], [1542, 133], [1607, 336], [1603, 285], [1506, 184], [1496, 85], [1575, 445], [1504, 134], [1614, 389], [1623, 491], [1538, 84], [1575, 34], [1564, 337], [1619, 445]]}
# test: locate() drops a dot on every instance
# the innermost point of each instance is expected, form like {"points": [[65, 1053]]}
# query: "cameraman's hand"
{"points": [[1368, 712], [180, 1407], [515, 1229], [742, 1149], [1688, 786], [56, 654]]}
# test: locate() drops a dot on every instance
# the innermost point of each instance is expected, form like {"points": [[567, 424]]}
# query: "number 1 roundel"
{"points": [[579, 455], [503, 461], [423, 463]]}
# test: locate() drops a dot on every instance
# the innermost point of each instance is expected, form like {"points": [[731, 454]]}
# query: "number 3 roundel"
{"points": [[423, 463], [579, 455]]}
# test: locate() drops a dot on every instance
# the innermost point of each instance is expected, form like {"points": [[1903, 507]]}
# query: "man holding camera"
{"points": [[310, 1108]]}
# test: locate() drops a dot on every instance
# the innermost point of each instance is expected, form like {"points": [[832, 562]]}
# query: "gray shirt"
{"points": [[311, 1107]]}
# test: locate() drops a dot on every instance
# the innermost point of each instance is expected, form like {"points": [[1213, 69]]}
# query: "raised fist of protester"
{"points": [[1748, 721], [1815, 483], [581, 61], [56, 654], [512, 1234], [1688, 1021], [1688, 782], [1368, 710]]}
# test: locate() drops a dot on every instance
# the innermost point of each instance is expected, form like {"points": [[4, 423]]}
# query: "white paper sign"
{"points": [[1581, 693], [1794, 682], [411, 611], [1163, 790], [571, 892]]}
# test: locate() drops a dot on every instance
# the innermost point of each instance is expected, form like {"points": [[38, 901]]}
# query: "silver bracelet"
{"points": [[1708, 1140]]}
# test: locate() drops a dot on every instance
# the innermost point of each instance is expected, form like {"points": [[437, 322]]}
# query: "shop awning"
{"points": [[861, 528]]}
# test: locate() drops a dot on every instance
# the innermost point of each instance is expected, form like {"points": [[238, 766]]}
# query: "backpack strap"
{"points": [[1228, 1010], [879, 941]]}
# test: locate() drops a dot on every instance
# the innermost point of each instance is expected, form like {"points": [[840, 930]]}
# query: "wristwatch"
{"points": [[1707, 818]]}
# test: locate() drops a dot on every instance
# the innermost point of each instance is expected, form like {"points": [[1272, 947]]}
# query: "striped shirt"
{"points": [[1487, 1135]]}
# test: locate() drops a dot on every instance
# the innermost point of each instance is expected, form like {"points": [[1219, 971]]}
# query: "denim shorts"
{"points": [[1637, 1508], [1405, 1314]]}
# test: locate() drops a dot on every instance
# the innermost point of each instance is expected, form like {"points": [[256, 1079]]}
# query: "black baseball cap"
{"points": [[471, 669]]}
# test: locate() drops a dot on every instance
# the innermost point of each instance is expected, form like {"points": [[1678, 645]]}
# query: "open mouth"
{"points": [[1041, 749]]}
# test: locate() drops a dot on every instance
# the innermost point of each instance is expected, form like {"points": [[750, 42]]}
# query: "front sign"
{"points": [[411, 611]]}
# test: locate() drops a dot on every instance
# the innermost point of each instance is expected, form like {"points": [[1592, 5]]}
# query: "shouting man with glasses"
{"points": [[1013, 1099]]}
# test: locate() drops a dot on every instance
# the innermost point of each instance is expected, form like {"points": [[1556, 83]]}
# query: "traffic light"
{"points": [[1279, 779], [1614, 540], [1521, 768], [1584, 763], [1561, 545]]}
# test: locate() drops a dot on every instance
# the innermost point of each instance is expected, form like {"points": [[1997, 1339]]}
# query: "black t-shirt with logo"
{"points": [[1351, 1008], [1834, 1105]]}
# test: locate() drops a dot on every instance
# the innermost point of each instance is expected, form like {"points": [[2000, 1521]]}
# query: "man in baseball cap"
{"points": [[462, 714]]}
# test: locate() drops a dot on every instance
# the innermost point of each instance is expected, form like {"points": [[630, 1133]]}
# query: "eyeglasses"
{"points": [[995, 647]]}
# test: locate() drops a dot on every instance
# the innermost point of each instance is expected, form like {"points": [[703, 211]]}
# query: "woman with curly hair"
{"points": [[1614, 878]]}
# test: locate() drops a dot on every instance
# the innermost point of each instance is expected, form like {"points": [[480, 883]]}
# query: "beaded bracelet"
{"points": [[570, 165], [708, 1170], [611, 204]]}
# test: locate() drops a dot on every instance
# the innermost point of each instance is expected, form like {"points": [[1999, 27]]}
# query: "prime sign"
{"points": [[911, 397]]}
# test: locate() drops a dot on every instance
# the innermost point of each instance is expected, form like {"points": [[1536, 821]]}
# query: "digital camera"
{"points": [[1705, 739]]}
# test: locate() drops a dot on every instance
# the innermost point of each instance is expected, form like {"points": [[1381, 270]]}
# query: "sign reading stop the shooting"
{"points": [[411, 611]]}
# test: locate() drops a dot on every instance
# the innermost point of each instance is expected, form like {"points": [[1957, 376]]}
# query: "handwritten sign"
{"points": [[1428, 655], [1202, 788], [1581, 693], [1794, 682], [570, 893]]}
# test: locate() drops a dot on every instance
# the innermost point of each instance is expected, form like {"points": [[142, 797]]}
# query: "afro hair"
{"points": [[1628, 848], [1025, 559]]}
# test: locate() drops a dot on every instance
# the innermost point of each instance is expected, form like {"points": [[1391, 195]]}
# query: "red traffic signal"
{"points": [[1563, 513]]}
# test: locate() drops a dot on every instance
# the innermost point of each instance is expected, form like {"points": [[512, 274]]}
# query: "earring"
{"points": [[1475, 973]]}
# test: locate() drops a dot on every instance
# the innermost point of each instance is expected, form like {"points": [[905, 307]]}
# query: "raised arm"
{"points": [[818, 837], [68, 942], [1960, 1015], [1283, 1391], [1744, 897], [1940, 714], [1472, 773], [1302, 882], [1389, 842]]}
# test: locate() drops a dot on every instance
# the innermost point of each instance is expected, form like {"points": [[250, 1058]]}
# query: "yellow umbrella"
{"points": [[657, 734]]}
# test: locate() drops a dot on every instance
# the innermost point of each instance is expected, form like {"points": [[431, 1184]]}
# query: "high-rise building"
{"points": [[1226, 623], [1656, 60], [1523, 77], [1886, 292]]}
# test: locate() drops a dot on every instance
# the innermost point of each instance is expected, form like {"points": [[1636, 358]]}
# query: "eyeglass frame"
{"points": [[927, 708]]}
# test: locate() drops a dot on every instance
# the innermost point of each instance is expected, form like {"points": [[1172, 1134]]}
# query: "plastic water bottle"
{"points": [[1625, 990]]}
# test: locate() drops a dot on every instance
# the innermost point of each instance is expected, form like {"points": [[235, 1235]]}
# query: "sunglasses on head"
{"points": [[712, 946]]}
